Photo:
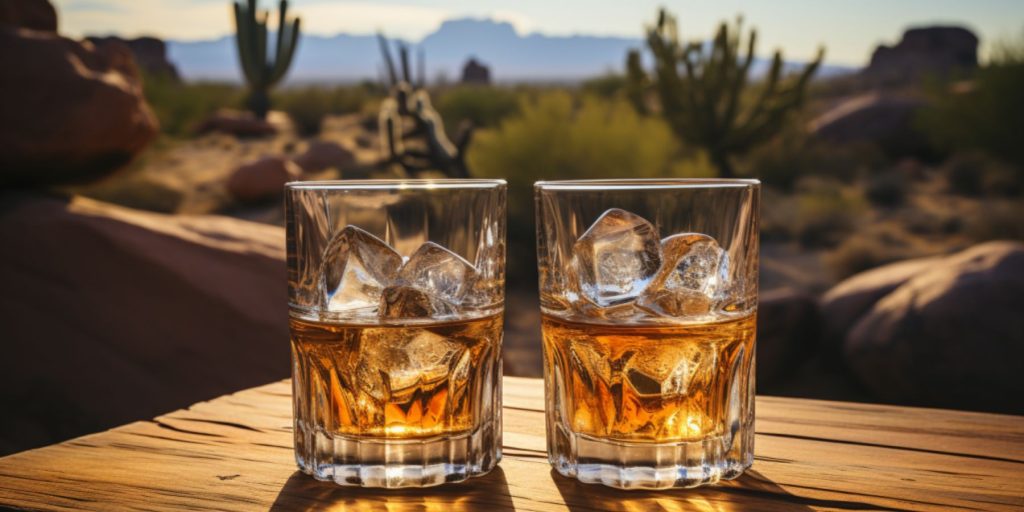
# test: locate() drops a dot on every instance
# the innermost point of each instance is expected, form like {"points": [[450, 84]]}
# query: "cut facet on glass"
{"points": [[648, 336], [355, 269], [616, 257]]}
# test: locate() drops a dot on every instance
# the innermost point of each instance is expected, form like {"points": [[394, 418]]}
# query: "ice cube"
{"points": [[667, 370], [693, 269], [616, 258], [438, 272], [591, 363], [391, 367], [355, 268], [407, 302]]}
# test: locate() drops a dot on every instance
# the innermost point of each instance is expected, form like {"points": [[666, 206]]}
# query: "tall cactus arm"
{"points": [[421, 69], [739, 83], [263, 74], [388, 63], [636, 82], [285, 56], [282, 23], [403, 57], [244, 22]]}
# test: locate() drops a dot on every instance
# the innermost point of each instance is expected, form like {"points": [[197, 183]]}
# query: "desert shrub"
{"points": [[887, 189], [826, 212], [996, 219], [606, 86], [485, 107], [862, 252], [974, 174], [308, 106], [870, 248], [986, 114], [777, 213], [791, 155], [556, 137], [180, 106]]}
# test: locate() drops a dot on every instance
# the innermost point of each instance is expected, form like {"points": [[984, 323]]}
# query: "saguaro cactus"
{"points": [[412, 131], [701, 89], [262, 71]]}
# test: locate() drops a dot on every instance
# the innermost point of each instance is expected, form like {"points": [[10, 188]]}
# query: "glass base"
{"points": [[626, 465], [396, 463]]}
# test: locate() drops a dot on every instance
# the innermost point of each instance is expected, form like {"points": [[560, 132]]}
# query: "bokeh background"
{"points": [[143, 147]]}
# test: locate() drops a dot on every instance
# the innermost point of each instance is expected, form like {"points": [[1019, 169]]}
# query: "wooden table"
{"points": [[235, 453]]}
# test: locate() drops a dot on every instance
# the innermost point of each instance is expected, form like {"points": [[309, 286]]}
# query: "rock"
{"points": [[950, 336], [886, 119], [73, 112], [30, 14], [262, 179], [150, 55], [845, 303], [323, 155], [475, 72], [116, 315], [787, 334], [923, 52], [239, 124]]}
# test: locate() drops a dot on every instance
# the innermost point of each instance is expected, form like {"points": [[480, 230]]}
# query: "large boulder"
{"points": [[845, 303], [886, 119], [923, 52], [73, 112], [323, 155], [150, 55], [113, 315], [788, 325], [262, 180], [950, 336], [30, 14], [239, 124]]}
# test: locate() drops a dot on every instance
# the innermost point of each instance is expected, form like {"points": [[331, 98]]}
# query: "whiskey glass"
{"points": [[395, 298], [648, 292]]}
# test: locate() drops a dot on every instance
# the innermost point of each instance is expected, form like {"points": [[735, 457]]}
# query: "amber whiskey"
{"points": [[650, 383], [410, 381]]}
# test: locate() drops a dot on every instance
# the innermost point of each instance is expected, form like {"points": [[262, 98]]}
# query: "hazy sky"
{"points": [[849, 30]]}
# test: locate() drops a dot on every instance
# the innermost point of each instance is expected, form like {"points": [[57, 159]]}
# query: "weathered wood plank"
{"points": [[234, 453]]}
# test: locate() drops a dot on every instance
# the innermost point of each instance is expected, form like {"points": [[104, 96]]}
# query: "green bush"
{"points": [[986, 114], [485, 107], [605, 86], [180, 106], [308, 106], [555, 136], [863, 252]]}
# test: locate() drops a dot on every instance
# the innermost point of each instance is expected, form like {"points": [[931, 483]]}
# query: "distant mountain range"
{"points": [[511, 57]]}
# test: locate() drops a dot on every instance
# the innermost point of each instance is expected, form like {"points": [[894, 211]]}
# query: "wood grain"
{"points": [[235, 453]]}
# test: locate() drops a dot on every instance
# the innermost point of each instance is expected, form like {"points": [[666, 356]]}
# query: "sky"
{"points": [[849, 30]]}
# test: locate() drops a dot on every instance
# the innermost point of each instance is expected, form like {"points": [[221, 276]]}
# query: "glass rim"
{"points": [[397, 184], [647, 184]]}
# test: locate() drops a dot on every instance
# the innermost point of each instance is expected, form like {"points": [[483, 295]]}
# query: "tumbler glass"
{"points": [[396, 296], [648, 292]]}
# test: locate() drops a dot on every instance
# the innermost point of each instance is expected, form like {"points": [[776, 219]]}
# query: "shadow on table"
{"points": [[301, 492], [752, 491]]}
